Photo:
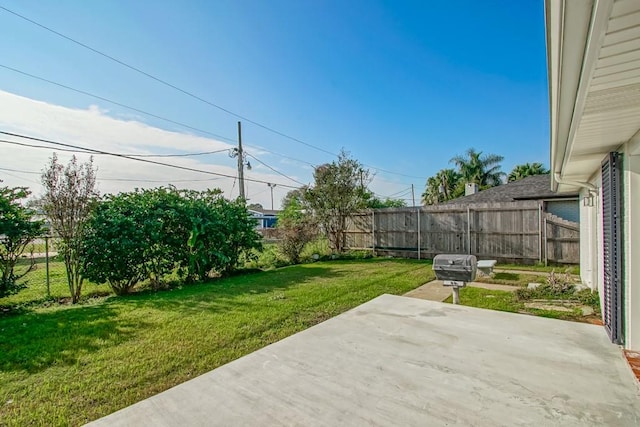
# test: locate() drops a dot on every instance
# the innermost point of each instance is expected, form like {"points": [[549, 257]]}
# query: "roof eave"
{"points": [[575, 31]]}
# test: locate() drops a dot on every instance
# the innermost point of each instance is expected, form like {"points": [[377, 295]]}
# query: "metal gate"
{"points": [[612, 246]]}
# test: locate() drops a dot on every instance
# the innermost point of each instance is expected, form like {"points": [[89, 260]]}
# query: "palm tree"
{"points": [[441, 187], [482, 170], [431, 195], [527, 169]]}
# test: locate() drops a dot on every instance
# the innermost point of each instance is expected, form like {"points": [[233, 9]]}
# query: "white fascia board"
{"points": [[575, 29], [595, 38], [553, 16]]}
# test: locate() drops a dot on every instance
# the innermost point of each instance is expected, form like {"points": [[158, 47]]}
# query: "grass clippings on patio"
{"points": [[67, 365]]}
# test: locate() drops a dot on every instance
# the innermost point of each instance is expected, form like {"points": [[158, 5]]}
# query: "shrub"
{"points": [[297, 228], [17, 229], [116, 242], [150, 233], [267, 258], [221, 233]]}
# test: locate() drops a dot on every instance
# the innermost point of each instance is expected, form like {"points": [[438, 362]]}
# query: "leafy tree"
{"points": [[255, 206], [338, 191], [69, 197], [297, 194], [374, 202], [483, 170], [527, 169], [296, 228], [445, 185], [17, 229]]}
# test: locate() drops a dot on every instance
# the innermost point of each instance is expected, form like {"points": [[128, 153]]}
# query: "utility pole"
{"points": [[271, 186], [240, 161], [413, 196]]}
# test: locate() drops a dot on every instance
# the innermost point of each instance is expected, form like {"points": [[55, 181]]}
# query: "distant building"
{"points": [[265, 218], [536, 187]]}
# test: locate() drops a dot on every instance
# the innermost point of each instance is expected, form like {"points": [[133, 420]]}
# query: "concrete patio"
{"points": [[404, 361]]}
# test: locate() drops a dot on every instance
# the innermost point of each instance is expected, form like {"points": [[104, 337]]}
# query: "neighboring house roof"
{"points": [[536, 187], [264, 212]]}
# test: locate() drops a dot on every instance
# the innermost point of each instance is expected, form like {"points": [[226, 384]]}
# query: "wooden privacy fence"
{"points": [[509, 232]]}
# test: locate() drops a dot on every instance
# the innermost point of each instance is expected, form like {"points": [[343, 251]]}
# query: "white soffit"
{"points": [[606, 112]]}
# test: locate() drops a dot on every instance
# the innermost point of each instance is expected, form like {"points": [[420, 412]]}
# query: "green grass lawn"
{"points": [[507, 301], [513, 279], [66, 365], [571, 269], [523, 278], [35, 292]]}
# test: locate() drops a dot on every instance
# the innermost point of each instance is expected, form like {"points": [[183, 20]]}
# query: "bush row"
{"points": [[147, 234]]}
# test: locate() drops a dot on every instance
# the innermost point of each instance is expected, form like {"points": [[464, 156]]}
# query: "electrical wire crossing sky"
{"points": [[393, 84]]}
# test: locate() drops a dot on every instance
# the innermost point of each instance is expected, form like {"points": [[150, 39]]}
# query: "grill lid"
{"points": [[455, 262]]}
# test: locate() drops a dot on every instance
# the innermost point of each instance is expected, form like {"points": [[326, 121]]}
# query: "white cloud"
{"points": [[95, 128]]}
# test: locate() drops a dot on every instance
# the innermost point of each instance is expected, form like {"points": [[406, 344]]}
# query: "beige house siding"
{"points": [[631, 239]]}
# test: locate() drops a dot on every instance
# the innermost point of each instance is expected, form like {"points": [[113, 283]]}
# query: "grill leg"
{"points": [[456, 294]]}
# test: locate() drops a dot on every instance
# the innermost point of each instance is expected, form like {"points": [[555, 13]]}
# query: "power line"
{"points": [[22, 144], [111, 101], [20, 171], [282, 155], [275, 170], [259, 192], [183, 91], [164, 82], [157, 180], [20, 177], [145, 112], [154, 162], [119, 179], [399, 193], [394, 173], [180, 155]]}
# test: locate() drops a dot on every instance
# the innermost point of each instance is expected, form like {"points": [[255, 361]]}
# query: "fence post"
{"points": [[539, 232], [373, 232], [546, 255], [418, 212], [46, 260], [468, 230]]}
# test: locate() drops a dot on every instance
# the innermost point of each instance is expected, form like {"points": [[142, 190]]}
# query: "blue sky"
{"points": [[403, 86]]}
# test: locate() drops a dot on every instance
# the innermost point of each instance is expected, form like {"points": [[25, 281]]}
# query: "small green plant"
{"points": [[267, 258], [560, 283], [319, 247], [559, 286], [17, 230], [589, 297], [357, 254]]}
